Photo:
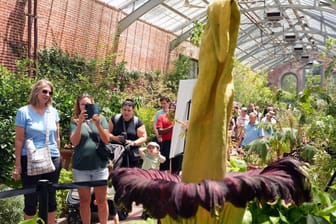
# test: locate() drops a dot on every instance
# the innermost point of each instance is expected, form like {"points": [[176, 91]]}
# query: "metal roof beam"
{"points": [[179, 39], [255, 51], [246, 53], [176, 11], [201, 17], [174, 43], [271, 63], [131, 18], [290, 6]]}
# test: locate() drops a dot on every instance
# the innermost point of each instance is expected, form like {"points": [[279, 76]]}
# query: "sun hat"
{"points": [[154, 144]]}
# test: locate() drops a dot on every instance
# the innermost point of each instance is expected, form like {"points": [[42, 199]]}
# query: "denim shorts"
{"points": [[90, 175]]}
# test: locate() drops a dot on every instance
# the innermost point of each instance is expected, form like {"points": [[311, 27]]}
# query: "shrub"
{"points": [[71, 76], [11, 209], [14, 93], [62, 207]]}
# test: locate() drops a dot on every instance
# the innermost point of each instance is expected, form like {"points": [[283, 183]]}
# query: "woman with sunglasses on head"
{"points": [[33, 122], [86, 133], [127, 129]]}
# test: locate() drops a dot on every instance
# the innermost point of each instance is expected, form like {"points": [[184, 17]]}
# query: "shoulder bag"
{"points": [[105, 151], [39, 160]]}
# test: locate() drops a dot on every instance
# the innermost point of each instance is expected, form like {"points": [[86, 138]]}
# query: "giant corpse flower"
{"points": [[163, 194], [205, 194]]}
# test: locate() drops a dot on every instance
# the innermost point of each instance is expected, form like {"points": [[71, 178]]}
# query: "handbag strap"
{"points": [[124, 125], [47, 127], [94, 137]]}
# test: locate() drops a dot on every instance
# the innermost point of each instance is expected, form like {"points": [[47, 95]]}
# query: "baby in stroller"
{"points": [[72, 199]]}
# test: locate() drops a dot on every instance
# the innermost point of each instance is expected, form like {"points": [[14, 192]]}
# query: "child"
{"points": [[151, 156], [151, 160]]}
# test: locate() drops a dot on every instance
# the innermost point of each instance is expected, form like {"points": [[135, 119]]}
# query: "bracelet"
{"points": [[134, 143]]}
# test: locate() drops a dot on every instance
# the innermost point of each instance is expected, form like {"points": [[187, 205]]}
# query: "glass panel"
{"points": [[289, 83], [313, 74]]}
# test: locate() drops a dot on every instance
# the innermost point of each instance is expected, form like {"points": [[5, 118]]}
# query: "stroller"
{"points": [[72, 199]]}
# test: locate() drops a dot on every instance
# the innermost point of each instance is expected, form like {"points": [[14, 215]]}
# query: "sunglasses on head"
{"points": [[83, 95], [44, 91]]}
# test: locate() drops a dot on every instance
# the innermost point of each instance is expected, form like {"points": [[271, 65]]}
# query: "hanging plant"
{"points": [[196, 33]]}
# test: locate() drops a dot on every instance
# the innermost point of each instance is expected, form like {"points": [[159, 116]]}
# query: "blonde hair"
{"points": [[33, 99]]}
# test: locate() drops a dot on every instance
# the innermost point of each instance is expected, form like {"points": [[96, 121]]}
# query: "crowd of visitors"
{"points": [[38, 123], [248, 123], [37, 131]]}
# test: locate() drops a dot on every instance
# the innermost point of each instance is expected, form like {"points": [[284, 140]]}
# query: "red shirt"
{"points": [[163, 122]]}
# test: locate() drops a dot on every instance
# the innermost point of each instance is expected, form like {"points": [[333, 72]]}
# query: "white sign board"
{"points": [[182, 113]]}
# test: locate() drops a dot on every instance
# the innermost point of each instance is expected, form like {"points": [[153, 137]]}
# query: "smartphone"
{"points": [[91, 109]]}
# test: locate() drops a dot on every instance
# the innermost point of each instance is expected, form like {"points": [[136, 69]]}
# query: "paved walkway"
{"points": [[134, 217]]}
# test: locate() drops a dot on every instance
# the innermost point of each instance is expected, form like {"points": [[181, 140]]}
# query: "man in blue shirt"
{"points": [[251, 131]]}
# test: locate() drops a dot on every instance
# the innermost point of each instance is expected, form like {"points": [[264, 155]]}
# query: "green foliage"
{"points": [[308, 152], [11, 209], [62, 207], [284, 97], [72, 76], [14, 93], [331, 43], [196, 33], [181, 71], [323, 130], [289, 83], [54, 62], [236, 165], [258, 152], [323, 168], [321, 210], [284, 139], [33, 220], [147, 114], [250, 86], [109, 85]]}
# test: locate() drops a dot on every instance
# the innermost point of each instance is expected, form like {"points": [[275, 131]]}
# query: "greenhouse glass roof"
{"points": [[271, 32]]}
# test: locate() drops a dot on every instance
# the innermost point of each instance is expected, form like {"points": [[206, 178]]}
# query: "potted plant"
{"points": [[66, 155]]}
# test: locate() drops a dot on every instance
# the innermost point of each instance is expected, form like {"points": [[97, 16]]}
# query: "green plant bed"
{"points": [[62, 207], [322, 210], [11, 209]]}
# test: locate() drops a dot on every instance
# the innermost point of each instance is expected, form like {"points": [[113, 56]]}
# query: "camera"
{"points": [[91, 109], [123, 137]]}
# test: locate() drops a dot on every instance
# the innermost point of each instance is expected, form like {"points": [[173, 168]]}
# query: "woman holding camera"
{"points": [[86, 132], [128, 130]]}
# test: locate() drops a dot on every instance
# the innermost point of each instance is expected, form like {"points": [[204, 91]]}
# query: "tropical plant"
{"points": [[284, 139], [279, 181], [321, 210]]}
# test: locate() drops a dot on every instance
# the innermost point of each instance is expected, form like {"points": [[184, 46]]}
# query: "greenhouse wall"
{"points": [[87, 28]]}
